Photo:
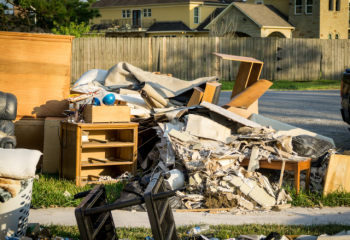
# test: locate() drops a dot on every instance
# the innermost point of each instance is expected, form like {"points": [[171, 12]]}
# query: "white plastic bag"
{"points": [[18, 163], [98, 75]]}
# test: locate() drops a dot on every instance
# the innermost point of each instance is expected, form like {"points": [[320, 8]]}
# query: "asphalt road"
{"points": [[316, 111]]}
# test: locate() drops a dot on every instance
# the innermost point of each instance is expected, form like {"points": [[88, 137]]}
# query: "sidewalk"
{"points": [[303, 216]]}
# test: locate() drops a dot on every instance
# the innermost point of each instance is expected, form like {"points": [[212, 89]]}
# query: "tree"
{"points": [[74, 29], [46, 14]]}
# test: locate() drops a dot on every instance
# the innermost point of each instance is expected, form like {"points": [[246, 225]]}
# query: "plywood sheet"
{"points": [[237, 58], [36, 68], [250, 95], [338, 174]]}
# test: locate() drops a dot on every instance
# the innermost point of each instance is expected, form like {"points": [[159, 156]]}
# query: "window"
{"points": [[330, 7], [337, 5], [147, 13], [309, 4], [259, 2], [196, 15], [330, 36], [298, 6], [126, 13], [337, 36]]}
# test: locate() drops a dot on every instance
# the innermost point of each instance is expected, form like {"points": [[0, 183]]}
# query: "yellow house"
{"points": [[155, 18]]}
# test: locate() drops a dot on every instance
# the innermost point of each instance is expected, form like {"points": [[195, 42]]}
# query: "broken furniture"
{"points": [[37, 72], [248, 73], [95, 221], [8, 113], [295, 166], [111, 150]]}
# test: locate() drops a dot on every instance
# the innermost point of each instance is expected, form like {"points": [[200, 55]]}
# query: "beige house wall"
{"points": [[232, 21], [281, 5], [265, 32], [306, 25], [334, 22]]}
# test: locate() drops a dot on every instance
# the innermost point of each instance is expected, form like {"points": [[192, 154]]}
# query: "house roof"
{"points": [[117, 3], [262, 15], [206, 21], [169, 26]]}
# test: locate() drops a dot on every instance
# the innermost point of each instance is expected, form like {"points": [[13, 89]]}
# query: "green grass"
{"points": [[220, 231], [49, 189], [309, 199], [289, 85]]}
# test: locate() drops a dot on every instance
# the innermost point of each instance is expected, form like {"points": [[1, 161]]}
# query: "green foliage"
{"points": [[49, 189], [74, 29], [46, 14]]}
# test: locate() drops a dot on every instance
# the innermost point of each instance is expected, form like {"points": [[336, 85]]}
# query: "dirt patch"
{"points": [[218, 200]]}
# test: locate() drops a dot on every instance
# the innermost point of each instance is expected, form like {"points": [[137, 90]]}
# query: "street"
{"points": [[316, 111]]}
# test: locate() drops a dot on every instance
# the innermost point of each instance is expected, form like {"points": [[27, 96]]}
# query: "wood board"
{"points": [[212, 92], [36, 68], [250, 94], [338, 174], [196, 97]]}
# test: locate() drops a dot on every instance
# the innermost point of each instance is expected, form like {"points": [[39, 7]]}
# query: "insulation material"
{"points": [[206, 128]]}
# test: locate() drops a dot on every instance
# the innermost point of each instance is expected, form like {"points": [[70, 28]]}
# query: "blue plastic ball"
{"points": [[97, 102], [109, 99]]}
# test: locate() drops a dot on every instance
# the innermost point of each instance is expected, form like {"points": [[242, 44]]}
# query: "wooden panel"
{"points": [[250, 95], [337, 177], [37, 70], [68, 158], [255, 73], [242, 78], [212, 92], [236, 58], [196, 97]]}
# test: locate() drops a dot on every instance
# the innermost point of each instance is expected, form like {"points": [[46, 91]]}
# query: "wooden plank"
{"points": [[185, 60], [37, 72], [290, 62], [255, 73], [201, 57], [176, 57], [170, 68], [230, 115], [217, 60], [73, 63], [161, 42], [250, 95], [196, 97], [207, 46], [242, 78], [329, 59], [300, 57], [337, 176], [212, 58], [333, 59], [212, 92]]}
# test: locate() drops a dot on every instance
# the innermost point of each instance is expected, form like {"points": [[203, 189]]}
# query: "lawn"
{"points": [[289, 85], [220, 231], [49, 189]]}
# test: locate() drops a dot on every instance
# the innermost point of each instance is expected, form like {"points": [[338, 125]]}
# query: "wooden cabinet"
{"points": [[110, 151]]}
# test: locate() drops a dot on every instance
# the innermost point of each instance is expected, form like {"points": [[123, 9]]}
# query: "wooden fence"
{"points": [[190, 58]]}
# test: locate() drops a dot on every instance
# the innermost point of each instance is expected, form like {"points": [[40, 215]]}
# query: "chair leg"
{"points": [[307, 180], [297, 177]]}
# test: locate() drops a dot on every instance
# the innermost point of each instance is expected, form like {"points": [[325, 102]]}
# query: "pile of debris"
{"points": [[199, 146]]}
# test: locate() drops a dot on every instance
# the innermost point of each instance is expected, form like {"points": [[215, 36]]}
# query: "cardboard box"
{"points": [[52, 145], [107, 114]]}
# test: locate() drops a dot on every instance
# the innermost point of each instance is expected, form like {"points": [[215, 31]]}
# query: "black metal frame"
{"points": [[95, 221]]}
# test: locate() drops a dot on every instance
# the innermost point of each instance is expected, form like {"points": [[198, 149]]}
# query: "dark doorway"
{"points": [[136, 18]]}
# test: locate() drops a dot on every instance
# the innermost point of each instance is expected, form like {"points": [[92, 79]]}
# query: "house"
{"points": [[324, 19], [155, 18]]}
